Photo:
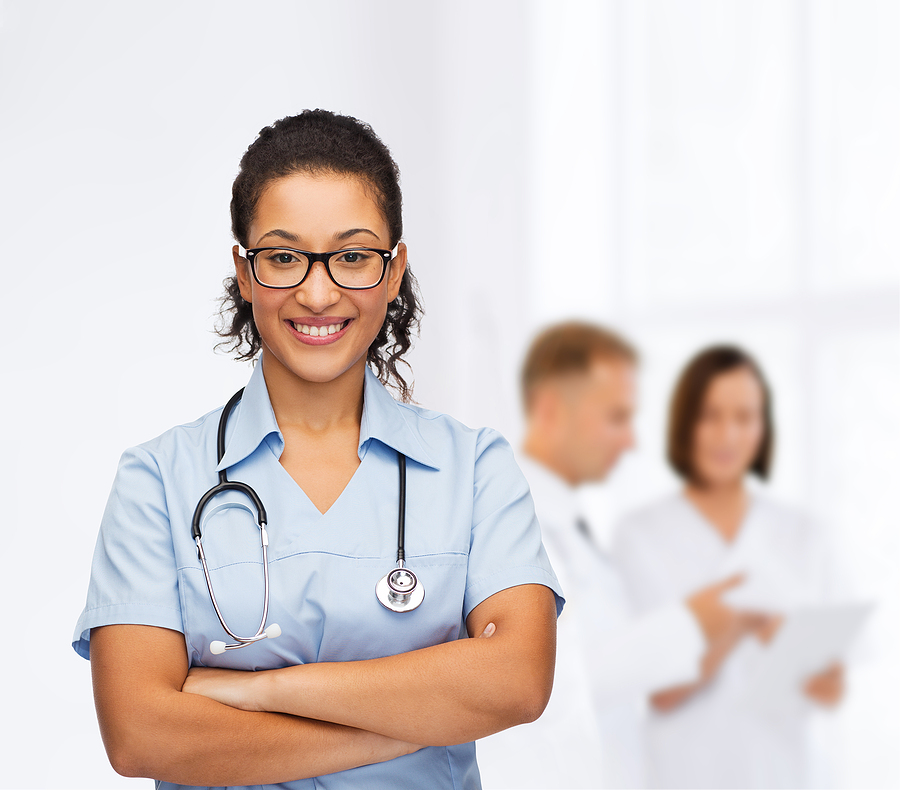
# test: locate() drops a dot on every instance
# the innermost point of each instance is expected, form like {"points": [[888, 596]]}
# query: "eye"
{"points": [[280, 257], [355, 258]]}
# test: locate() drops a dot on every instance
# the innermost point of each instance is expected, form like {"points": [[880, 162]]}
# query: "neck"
{"points": [[310, 405], [723, 504], [539, 449]]}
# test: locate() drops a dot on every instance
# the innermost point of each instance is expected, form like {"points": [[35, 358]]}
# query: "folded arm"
{"points": [[150, 728], [444, 694]]}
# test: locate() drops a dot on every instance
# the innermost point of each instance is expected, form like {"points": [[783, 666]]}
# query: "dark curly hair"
{"points": [[318, 142]]}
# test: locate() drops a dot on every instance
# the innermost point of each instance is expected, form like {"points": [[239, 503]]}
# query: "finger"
{"points": [[488, 631], [729, 583]]}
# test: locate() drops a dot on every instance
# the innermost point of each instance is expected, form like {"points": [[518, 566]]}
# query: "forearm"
{"points": [[195, 741], [669, 699], [155, 730], [444, 694], [450, 693], [672, 697]]}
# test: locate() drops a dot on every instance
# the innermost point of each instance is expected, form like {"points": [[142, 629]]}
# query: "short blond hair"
{"points": [[567, 348]]}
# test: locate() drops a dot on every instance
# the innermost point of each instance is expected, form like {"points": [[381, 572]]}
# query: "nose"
{"points": [[317, 292]]}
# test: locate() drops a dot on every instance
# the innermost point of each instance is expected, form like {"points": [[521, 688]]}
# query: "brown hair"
{"points": [[687, 403], [571, 347]]}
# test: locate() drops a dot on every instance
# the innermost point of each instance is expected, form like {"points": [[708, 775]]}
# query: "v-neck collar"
{"points": [[383, 419], [702, 521]]}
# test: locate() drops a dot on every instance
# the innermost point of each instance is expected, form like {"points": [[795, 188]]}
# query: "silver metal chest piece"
{"points": [[399, 590]]}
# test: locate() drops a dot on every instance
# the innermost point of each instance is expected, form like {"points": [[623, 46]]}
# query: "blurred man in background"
{"points": [[579, 393]]}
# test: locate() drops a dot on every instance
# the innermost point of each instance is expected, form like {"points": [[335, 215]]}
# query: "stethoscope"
{"points": [[398, 590]]}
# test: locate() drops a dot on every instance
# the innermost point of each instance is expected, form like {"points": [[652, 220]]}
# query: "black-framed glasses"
{"points": [[356, 268]]}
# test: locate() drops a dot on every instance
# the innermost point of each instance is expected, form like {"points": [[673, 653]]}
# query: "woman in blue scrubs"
{"points": [[351, 694]]}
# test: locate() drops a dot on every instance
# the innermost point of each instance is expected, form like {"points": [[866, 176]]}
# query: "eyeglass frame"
{"points": [[386, 257]]}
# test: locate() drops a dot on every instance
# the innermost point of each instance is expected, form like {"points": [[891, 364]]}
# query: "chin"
{"points": [[721, 478]]}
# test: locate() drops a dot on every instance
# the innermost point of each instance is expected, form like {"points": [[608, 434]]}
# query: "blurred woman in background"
{"points": [[709, 734]]}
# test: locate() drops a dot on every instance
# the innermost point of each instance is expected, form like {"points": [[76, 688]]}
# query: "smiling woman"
{"points": [[321, 211], [357, 687]]}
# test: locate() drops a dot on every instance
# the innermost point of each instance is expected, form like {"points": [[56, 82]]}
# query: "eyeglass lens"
{"points": [[351, 268]]}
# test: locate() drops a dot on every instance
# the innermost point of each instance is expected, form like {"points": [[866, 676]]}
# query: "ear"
{"points": [[396, 270], [545, 404], [242, 272]]}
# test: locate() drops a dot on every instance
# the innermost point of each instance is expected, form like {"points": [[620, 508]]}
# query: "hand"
{"points": [[231, 687], [826, 688], [717, 620], [764, 627], [665, 701]]}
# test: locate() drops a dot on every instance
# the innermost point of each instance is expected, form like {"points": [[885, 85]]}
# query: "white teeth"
{"points": [[317, 331]]}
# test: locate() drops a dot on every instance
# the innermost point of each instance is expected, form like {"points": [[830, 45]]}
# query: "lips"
{"points": [[319, 331]]}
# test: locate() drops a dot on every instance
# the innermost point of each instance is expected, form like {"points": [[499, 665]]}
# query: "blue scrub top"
{"points": [[470, 532]]}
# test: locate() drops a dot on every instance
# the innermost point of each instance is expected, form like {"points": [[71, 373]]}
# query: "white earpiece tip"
{"points": [[216, 647], [273, 630]]}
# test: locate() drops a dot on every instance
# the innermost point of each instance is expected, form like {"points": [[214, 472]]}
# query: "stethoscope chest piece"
{"points": [[399, 590]]}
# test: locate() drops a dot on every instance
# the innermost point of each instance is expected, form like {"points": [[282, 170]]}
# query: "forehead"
{"points": [[316, 205], [610, 370], [739, 386], [609, 379]]}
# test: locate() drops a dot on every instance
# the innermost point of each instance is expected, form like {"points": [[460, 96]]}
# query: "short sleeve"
{"points": [[133, 574], [505, 549]]}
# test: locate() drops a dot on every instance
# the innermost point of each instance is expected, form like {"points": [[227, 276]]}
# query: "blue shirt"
{"points": [[470, 532]]}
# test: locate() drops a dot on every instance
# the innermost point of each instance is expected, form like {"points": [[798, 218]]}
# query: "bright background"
{"points": [[688, 171]]}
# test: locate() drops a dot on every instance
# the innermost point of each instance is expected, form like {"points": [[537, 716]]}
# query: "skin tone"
{"points": [[579, 424], [160, 718], [315, 388], [726, 441]]}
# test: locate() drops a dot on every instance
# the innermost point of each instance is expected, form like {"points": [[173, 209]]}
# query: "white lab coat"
{"points": [[719, 738], [607, 662]]}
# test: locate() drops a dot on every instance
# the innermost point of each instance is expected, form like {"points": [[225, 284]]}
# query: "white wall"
{"points": [[731, 167], [736, 164]]}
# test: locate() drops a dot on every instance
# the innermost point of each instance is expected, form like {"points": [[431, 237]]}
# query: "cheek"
{"points": [[266, 304], [704, 436], [372, 310], [752, 436]]}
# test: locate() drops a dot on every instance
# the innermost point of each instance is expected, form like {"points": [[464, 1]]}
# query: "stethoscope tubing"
{"points": [[260, 631], [389, 594], [225, 484], [401, 516]]}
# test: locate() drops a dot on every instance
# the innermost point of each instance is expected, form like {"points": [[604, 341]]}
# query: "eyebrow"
{"points": [[295, 239], [353, 232], [284, 234]]}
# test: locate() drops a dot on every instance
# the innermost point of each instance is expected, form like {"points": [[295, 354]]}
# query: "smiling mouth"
{"points": [[319, 331]]}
